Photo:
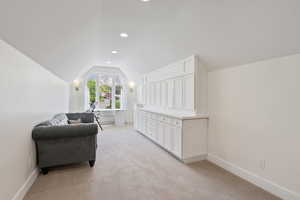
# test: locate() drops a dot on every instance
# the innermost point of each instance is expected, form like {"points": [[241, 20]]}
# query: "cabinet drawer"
{"points": [[176, 122], [164, 119], [153, 116], [152, 123]]}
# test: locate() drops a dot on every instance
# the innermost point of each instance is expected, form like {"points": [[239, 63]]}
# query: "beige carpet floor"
{"points": [[130, 167]]}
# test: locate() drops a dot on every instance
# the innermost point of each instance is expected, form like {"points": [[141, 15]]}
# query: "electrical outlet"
{"points": [[262, 164]]}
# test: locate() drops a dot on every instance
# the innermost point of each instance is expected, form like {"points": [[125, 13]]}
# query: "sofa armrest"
{"points": [[65, 131]]}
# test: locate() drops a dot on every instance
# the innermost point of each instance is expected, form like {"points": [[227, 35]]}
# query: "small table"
{"points": [[119, 115]]}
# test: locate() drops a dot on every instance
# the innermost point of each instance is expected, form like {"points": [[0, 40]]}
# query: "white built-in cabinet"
{"points": [[174, 108], [185, 138], [180, 86]]}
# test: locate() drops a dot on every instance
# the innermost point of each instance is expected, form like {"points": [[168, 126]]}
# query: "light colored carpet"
{"points": [[130, 167]]}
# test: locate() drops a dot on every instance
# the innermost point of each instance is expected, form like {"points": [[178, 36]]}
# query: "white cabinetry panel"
{"points": [[164, 94], [185, 139], [160, 133], [170, 93], [168, 137], [179, 89], [179, 86], [188, 92], [158, 94], [178, 93], [189, 65], [177, 139]]}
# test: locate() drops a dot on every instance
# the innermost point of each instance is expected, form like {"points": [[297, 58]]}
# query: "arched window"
{"points": [[107, 87]]}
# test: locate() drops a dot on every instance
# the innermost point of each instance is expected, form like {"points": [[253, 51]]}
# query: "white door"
{"points": [[188, 92], [178, 93]]}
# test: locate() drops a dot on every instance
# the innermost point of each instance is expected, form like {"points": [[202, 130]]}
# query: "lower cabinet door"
{"points": [[160, 133], [168, 137], [155, 131], [177, 142]]}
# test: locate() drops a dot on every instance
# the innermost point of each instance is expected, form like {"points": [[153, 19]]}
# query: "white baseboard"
{"points": [[26, 186], [195, 159], [254, 179]]}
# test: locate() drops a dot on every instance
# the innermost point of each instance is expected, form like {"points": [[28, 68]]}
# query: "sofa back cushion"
{"points": [[84, 117]]}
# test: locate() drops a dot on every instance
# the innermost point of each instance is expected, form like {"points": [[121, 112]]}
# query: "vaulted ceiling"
{"points": [[70, 36]]}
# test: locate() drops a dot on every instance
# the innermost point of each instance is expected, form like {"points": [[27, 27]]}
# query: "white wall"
{"points": [[77, 98], [255, 117], [29, 94]]}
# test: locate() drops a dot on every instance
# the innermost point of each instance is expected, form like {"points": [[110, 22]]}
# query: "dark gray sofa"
{"points": [[60, 143]]}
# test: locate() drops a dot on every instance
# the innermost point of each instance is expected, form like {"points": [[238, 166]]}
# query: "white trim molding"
{"points": [[195, 159], [26, 186], [261, 182]]}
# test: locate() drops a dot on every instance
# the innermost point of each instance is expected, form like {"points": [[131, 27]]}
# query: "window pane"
{"points": [[105, 100], [117, 96], [118, 102], [92, 90], [118, 89]]}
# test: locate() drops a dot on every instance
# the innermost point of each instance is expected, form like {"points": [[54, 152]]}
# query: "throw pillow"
{"points": [[77, 121]]}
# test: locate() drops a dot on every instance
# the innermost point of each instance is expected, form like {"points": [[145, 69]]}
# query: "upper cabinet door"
{"points": [[151, 94], [140, 94], [189, 65], [148, 92], [158, 94], [164, 94], [170, 97], [178, 93], [188, 92], [144, 94]]}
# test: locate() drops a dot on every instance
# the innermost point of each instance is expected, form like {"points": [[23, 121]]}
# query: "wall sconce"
{"points": [[131, 85], [76, 84]]}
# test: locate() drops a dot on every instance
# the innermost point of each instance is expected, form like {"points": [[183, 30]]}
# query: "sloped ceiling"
{"points": [[70, 36]]}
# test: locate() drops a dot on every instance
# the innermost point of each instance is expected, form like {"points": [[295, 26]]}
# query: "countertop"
{"points": [[177, 115]]}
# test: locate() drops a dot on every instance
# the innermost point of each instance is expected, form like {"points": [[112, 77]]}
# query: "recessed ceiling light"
{"points": [[108, 62], [114, 52], [144, 0], [124, 35]]}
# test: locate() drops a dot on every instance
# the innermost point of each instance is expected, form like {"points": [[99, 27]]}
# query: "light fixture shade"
{"points": [[131, 84], [124, 35], [76, 84]]}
